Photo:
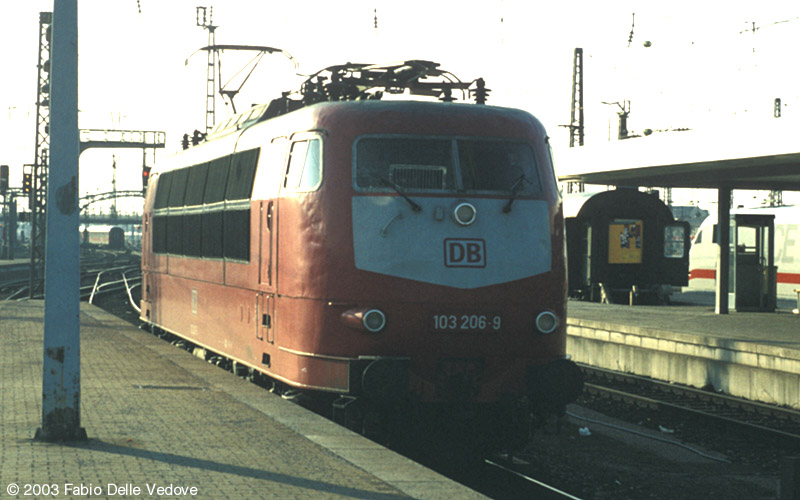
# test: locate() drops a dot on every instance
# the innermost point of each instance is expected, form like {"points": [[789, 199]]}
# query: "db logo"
{"points": [[464, 253]]}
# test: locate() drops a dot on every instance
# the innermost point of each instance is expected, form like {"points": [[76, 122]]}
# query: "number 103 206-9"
{"points": [[466, 322]]}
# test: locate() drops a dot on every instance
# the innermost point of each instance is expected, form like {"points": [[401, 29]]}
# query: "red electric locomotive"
{"points": [[383, 252]]}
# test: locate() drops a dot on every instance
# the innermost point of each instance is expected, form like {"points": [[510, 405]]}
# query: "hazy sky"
{"points": [[704, 67]]}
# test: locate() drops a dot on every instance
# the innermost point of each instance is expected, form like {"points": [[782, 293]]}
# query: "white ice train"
{"points": [[749, 252]]}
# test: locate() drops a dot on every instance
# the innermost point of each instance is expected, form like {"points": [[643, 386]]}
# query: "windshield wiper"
{"points": [[414, 205], [514, 188]]}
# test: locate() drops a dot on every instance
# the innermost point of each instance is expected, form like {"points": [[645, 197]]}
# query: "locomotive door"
{"points": [[266, 313], [266, 273], [267, 244]]}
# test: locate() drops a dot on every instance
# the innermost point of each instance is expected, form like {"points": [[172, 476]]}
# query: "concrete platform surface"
{"points": [[158, 417], [780, 328], [745, 354]]}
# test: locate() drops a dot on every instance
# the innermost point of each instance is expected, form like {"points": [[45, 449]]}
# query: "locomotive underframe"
{"points": [[380, 404]]}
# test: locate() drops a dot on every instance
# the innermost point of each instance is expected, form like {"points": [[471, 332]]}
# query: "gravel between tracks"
{"points": [[611, 464]]}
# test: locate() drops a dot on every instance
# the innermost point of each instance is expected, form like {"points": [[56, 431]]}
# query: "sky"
{"points": [[704, 66]]}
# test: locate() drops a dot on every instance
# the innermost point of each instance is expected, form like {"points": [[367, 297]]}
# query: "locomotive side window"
{"points": [[177, 190], [162, 193], [304, 171], [236, 216], [176, 225], [240, 178], [175, 234], [236, 234], [212, 234], [498, 166], [217, 180], [204, 210], [159, 239], [196, 185], [159, 234]]}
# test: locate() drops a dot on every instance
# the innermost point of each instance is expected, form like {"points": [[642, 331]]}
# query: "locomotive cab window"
{"points": [[304, 171], [408, 163], [674, 241], [445, 164], [498, 166]]}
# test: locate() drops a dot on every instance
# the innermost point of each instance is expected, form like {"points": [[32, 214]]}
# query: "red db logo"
{"points": [[464, 253]]}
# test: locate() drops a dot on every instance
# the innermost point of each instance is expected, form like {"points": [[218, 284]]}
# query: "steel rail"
{"points": [[97, 285], [532, 480], [688, 395]]}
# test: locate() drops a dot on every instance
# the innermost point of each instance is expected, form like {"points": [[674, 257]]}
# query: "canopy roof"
{"points": [[767, 157]]}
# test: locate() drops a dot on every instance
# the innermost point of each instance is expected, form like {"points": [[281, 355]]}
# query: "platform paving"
{"points": [[158, 417]]}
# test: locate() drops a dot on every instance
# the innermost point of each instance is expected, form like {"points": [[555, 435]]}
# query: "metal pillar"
{"points": [[724, 240], [61, 363]]}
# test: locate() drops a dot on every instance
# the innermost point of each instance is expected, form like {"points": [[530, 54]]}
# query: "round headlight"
{"points": [[374, 320], [546, 322], [465, 213]]}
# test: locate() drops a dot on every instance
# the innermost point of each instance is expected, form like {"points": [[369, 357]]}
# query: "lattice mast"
{"points": [[38, 194], [204, 15], [576, 124], [576, 116]]}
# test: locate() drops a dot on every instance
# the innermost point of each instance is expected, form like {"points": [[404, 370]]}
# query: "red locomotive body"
{"points": [[369, 249]]}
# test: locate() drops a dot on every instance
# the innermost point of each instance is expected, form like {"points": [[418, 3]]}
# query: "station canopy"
{"points": [[765, 157]]}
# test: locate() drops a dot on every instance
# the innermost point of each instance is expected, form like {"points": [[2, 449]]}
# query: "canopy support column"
{"points": [[724, 240]]}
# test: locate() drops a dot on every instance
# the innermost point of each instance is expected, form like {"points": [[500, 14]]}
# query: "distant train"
{"points": [[749, 249], [395, 255], [624, 244], [112, 237]]}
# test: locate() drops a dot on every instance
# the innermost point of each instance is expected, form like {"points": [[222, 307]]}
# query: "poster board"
{"points": [[625, 241]]}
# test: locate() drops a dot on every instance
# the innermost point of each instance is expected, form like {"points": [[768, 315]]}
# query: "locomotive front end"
{"points": [[457, 243]]}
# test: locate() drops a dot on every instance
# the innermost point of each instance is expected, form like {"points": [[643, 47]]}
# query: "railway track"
{"points": [[749, 416], [537, 489], [102, 272]]}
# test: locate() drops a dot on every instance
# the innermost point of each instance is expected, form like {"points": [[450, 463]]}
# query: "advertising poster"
{"points": [[625, 242]]}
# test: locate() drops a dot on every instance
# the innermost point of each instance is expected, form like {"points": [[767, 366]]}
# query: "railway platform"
{"points": [[754, 355], [162, 423]]}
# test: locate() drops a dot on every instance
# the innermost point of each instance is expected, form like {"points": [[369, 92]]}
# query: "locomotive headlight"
{"points": [[465, 213], [364, 319], [374, 320], [546, 322]]}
